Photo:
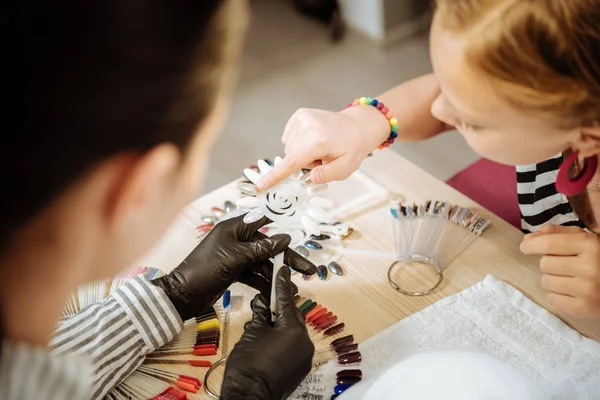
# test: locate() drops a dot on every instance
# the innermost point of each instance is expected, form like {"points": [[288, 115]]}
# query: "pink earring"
{"points": [[571, 187]]}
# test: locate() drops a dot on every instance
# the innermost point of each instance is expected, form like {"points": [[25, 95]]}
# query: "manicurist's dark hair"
{"points": [[84, 80]]}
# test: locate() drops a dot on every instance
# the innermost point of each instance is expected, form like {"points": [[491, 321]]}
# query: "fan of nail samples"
{"points": [[437, 230], [331, 341], [199, 339]]}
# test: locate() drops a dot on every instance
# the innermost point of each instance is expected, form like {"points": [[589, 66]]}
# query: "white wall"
{"points": [[365, 16]]}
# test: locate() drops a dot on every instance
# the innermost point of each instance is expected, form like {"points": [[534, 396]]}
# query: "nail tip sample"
{"points": [[335, 268], [313, 245], [322, 272], [303, 251], [350, 358]]}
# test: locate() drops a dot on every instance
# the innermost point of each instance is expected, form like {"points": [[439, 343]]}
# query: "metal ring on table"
{"points": [[210, 370], [421, 259]]}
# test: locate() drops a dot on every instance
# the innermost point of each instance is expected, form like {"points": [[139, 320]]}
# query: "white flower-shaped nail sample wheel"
{"points": [[288, 204], [297, 208]]}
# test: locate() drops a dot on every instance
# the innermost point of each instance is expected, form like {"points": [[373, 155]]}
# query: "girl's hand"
{"points": [[571, 266], [332, 143]]}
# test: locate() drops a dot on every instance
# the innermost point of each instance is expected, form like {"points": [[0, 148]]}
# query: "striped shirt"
{"points": [[539, 201], [93, 350]]}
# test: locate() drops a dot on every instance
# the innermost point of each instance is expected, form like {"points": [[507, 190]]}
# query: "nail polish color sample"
{"points": [[339, 389], [209, 219], [316, 316], [346, 348], [247, 188], [327, 323], [229, 206], [303, 251], [205, 346], [320, 237], [205, 227], [300, 301], [348, 380], [322, 318], [343, 340], [334, 329], [309, 243], [219, 212], [205, 352], [209, 333], [208, 340], [350, 358], [313, 312], [309, 308], [305, 304], [322, 272], [335, 268], [350, 373]]}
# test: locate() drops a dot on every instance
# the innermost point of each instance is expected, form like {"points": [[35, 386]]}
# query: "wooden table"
{"points": [[363, 298]]}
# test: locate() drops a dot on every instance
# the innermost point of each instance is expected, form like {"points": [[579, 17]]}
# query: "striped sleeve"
{"points": [[33, 373], [118, 333], [539, 201]]}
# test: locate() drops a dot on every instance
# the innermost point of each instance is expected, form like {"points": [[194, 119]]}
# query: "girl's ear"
{"points": [[588, 141]]}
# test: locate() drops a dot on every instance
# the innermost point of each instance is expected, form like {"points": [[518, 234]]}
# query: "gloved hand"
{"points": [[269, 362], [232, 251]]}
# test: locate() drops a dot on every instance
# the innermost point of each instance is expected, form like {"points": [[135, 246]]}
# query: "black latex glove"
{"points": [[232, 251], [269, 362]]}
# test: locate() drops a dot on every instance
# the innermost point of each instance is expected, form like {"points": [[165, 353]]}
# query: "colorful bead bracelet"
{"points": [[368, 101]]}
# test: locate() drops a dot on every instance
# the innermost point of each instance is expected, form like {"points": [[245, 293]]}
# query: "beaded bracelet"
{"points": [[368, 101]]}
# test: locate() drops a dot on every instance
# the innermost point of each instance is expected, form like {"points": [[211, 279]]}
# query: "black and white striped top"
{"points": [[539, 201], [93, 350]]}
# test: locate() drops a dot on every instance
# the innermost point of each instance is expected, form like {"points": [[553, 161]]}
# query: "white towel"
{"points": [[490, 317]]}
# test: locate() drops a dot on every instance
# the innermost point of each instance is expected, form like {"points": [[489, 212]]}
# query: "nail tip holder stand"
{"points": [[433, 234]]}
